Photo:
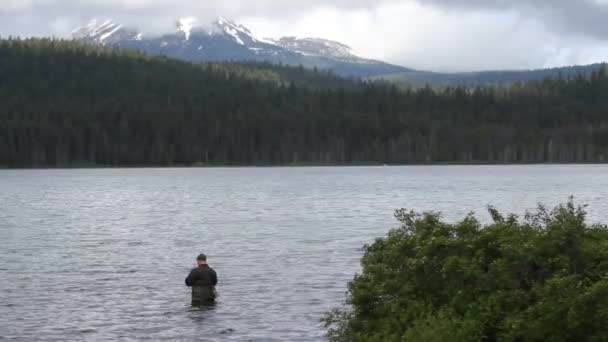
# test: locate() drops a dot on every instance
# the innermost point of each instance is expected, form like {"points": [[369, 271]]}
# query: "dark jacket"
{"points": [[203, 280]]}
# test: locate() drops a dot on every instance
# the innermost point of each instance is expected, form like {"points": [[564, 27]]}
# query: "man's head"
{"points": [[201, 259]]}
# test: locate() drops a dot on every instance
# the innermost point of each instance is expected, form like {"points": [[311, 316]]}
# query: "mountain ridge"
{"points": [[490, 77], [226, 40]]}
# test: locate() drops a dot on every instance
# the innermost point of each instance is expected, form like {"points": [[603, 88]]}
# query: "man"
{"points": [[203, 280]]}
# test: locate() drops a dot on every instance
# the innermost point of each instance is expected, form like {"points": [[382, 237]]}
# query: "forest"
{"points": [[64, 104]]}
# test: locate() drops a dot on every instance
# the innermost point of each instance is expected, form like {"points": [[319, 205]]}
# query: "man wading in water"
{"points": [[203, 280]]}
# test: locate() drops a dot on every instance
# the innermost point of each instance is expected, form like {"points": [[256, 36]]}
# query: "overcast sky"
{"points": [[441, 35]]}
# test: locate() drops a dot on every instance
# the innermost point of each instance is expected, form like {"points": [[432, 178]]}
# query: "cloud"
{"points": [[443, 38], [442, 35], [36, 17], [186, 7], [583, 17]]}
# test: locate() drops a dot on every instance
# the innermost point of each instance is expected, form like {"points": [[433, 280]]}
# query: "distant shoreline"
{"points": [[299, 165]]}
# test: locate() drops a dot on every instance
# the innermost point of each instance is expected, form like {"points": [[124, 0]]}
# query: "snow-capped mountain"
{"points": [[105, 32], [225, 40], [316, 47]]}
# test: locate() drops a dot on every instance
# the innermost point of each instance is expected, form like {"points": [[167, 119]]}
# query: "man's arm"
{"points": [[213, 278], [190, 279]]}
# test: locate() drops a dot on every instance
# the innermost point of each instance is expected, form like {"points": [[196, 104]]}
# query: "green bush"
{"points": [[540, 278]]}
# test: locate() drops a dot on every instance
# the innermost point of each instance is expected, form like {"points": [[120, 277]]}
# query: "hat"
{"points": [[201, 257]]}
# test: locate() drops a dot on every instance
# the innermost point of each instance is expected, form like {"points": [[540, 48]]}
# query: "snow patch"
{"points": [[97, 30], [88, 27], [232, 29], [234, 33], [269, 41], [109, 33], [256, 50], [106, 25], [186, 25]]}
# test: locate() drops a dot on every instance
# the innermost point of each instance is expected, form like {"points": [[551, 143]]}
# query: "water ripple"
{"points": [[102, 254]]}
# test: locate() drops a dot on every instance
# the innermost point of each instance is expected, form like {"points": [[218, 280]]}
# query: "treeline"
{"points": [[505, 77], [282, 74], [66, 104]]}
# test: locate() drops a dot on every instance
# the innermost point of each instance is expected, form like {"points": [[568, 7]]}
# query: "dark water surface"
{"points": [[102, 254]]}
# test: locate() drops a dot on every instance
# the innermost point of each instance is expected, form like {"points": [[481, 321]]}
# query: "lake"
{"points": [[102, 254]]}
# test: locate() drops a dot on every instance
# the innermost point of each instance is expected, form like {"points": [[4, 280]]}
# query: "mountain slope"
{"points": [[224, 40], [506, 77], [105, 32]]}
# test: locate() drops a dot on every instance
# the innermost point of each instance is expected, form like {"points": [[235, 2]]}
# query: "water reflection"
{"points": [[202, 305], [201, 312]]}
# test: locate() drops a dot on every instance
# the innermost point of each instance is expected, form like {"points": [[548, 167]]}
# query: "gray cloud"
{"points": [[581, 17], [44, 17], [428, 34], [159, 8]]}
